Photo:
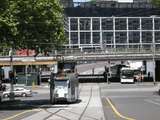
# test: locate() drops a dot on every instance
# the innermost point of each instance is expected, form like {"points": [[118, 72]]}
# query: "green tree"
{"points": [[8, 29], [156, 2], [32, 23]]}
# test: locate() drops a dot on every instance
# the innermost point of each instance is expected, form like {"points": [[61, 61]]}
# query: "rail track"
{"points": [[68, 108]]}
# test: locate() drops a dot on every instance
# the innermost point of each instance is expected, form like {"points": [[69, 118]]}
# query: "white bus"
{"points": [[127, 75]]}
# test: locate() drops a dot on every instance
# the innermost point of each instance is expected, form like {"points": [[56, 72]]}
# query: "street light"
{"points": [[11, 74]]}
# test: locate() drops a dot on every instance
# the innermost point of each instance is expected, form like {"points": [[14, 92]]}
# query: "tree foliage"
{"points": [[31, 23], [156, 2]]}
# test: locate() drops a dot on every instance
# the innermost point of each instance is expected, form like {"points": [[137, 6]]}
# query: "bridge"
{"points": [[94, 55]]}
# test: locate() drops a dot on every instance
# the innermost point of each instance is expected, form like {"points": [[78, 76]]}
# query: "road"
{"points": [[130, 101], [97, 102]]}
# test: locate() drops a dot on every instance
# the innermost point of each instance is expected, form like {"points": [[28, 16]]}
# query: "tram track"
{"points": [[80, 115]]}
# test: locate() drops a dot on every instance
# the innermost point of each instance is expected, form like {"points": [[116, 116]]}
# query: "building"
{"points": [[113, 25]]}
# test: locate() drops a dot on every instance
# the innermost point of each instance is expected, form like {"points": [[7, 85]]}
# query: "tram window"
{"points": [[60, 82]]}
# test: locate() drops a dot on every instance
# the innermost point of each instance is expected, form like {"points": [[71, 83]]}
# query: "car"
{"points": [[18, 91]]}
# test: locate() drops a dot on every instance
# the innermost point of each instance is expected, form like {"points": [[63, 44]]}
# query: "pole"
{"points": [[154, 80], [11, 78]]}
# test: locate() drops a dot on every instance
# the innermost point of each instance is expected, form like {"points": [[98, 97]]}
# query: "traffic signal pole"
{"points": [[11, 75]]}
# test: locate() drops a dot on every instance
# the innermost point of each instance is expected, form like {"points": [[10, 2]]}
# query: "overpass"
{"points": [[78, 55]]}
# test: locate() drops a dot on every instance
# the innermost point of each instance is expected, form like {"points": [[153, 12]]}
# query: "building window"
{"points": [[133, 24], [74, 23], [85, 24], [121, 37], [147, 24], [95, 24], [107, 37], [120, 24], [157, 23], [85, 37], [134, 37], [147, 37], [96, 37], [107, 24], [157, 37], [74, 37]]}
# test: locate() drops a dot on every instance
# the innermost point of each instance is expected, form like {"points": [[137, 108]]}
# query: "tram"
{"points": [[64, 85]]}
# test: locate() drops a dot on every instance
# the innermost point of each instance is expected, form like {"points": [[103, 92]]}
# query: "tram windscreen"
{"points": [[61, 82]]}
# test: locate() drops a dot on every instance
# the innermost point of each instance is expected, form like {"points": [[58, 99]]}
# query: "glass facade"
{"points": [[115, 32]]}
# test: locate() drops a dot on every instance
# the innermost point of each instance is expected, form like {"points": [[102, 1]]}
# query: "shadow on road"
{"points": [[32, 104]]}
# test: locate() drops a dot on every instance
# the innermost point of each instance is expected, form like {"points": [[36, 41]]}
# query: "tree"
{"points": [[8, 30], [156, 2], [32, 23]]}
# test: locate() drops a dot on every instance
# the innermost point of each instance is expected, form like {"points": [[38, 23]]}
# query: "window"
{"points": [[85, 37], [85, 24], [96, 24], [107, 37], [134, 37], [74, 23], [120, 24], [74, 37], [147, 24], [96, 37], [107, 24], [121, 37], [157, 23], [133, 24], [146, 37]]}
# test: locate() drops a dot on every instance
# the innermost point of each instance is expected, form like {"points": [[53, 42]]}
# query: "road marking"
{"points": [[153, 102], [116, 111], [21, 113]]}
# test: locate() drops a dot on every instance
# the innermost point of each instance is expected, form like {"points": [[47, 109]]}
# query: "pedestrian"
{"points": [[92, 71], [148, 76]]}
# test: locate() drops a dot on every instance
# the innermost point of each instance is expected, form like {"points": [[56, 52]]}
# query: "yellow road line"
{"points": [[21, 113], [116, 111]]}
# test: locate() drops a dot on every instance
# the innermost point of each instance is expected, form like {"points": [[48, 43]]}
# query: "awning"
{"points": [[7, 63]]}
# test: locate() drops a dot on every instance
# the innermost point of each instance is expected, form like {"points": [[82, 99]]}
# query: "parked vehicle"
{"points": [[18, 91]]}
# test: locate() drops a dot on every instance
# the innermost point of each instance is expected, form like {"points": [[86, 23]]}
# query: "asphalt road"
{"points": [[130, 101], [25, 106], [120, 102]]}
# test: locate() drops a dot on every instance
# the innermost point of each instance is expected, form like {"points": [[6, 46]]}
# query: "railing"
{"points": [[67, 52]]}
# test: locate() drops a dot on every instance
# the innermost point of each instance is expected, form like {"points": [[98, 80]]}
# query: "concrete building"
{"points": [[110, 24], [114, 25]]}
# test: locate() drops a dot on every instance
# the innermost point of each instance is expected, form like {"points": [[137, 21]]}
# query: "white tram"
{"points": [[65, 85]]}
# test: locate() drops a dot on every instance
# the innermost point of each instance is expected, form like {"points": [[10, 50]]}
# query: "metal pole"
{"points": [[154, 80], [11, 79]]}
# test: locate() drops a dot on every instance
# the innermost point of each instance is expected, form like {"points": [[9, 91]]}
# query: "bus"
{"points": [[65, 85], [127, 75]]}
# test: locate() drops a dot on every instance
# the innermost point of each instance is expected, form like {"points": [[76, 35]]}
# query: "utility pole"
{"points": [[154, 80], [11, 74]]}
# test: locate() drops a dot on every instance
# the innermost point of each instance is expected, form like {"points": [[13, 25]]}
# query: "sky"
{"points": [[89, 0]]}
